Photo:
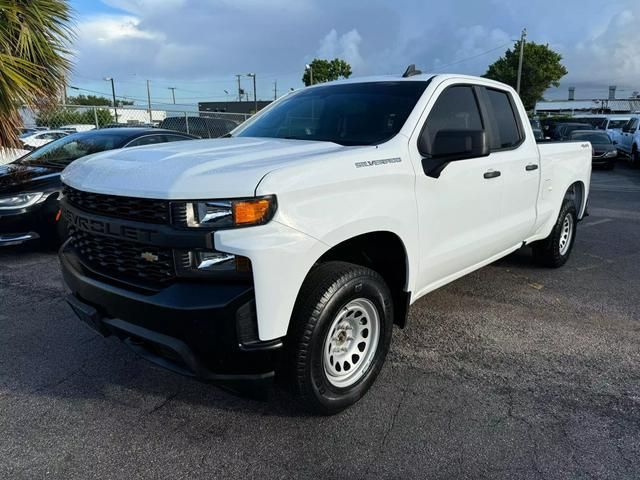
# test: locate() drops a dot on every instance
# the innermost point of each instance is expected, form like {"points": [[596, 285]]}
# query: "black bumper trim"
{"points": [[194, 367], [188, 327], [142, 340]]}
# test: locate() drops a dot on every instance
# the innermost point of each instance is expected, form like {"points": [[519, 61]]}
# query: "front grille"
{"points": [[126, 208], [123, 260]]}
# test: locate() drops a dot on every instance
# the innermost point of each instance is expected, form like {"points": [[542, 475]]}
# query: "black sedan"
{"points": [[604, 152], [30, 186]]}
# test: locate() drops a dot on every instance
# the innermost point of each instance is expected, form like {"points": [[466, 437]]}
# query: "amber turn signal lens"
{"points": [[249, 212]]}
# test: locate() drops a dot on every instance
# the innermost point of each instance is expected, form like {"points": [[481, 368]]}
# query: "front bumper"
{"points": [[602, 161], [201, 329], [22, 225], [7, 239]]}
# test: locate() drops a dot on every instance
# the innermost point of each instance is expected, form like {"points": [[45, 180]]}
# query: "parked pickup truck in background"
{"points": [[293, 246], [628, 141]]}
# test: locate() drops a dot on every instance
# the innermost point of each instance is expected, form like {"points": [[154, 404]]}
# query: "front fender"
{"points": [[280, 258]]}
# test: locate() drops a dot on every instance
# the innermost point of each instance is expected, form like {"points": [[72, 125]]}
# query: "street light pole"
{"points": [[523, 36], [310, 68], [113, 92], [149, 102], [173, 94], [255, 98]]}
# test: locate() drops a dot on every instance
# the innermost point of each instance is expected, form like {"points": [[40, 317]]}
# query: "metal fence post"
{"points": [[95, 117], [186, 121]]}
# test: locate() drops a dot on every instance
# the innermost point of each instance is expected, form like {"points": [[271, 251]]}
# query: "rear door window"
{"points": [[507, 132]]}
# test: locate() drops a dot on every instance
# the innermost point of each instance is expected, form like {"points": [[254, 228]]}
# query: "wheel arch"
{"points": [[577, 194], [384, 252]]}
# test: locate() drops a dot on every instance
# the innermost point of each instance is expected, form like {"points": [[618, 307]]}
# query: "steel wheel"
{"points": [[565, 234], [351, 343]]}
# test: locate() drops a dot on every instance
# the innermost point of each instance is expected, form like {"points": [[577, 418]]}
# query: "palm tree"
{"points": [[34, 57]]}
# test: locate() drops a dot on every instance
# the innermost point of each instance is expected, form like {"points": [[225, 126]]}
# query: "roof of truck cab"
{"points": [[423, 77]]}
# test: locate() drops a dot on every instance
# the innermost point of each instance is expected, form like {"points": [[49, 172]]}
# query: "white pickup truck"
{"points": [[293, 246], [628, 140]]}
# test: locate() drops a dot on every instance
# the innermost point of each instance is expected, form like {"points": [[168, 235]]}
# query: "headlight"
{"points": [[20, 200], [214, 214], [610, 154]]}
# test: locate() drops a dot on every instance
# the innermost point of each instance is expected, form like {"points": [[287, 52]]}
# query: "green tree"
{"points": [[326, 71], [34, 58], [94, 100], [56, 117], [541, 69]]}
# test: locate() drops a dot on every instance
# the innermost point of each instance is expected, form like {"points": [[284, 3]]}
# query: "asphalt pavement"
{"points": [[514, 371]]}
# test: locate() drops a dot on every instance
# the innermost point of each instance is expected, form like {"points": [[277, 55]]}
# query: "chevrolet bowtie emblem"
{"points": [[149, 257]]}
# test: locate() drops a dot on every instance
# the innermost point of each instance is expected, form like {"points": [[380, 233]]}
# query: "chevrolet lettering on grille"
{"points": [[112, 229]]}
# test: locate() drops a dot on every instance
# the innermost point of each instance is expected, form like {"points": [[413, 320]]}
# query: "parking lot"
{"points": [[511, 372]]}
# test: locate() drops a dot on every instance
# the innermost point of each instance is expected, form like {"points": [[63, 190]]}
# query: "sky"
{"points": [[198, 46]]}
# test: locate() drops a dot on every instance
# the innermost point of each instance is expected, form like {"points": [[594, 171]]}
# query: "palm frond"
{"points": [[34, 56]]}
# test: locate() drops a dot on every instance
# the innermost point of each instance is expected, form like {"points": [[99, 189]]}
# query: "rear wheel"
{"points": [[554, 250], [340, 335], [635, 157]]}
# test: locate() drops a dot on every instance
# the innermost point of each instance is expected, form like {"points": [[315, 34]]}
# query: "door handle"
{"points": [[531, 166], [491, 174]]}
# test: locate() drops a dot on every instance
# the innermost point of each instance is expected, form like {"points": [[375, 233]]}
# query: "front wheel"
{"points": [[340, 335], [554, 250]]}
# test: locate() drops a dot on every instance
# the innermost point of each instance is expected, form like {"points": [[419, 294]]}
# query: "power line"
{"points": [[473, 57]]}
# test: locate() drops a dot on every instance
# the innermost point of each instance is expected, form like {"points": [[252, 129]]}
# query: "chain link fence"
{"points": [[78, 118]]}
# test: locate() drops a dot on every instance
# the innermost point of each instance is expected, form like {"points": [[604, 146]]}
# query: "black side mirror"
{"points": [[450, 146]]}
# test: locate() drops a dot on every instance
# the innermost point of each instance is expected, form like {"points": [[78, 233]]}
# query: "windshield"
{"points": [[346, 114], [591, 137], [617, 123], [65, 150]]}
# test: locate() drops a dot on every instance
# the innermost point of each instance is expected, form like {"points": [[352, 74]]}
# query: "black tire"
{"points": [[548, 252], [635, 158], [326, 291]]}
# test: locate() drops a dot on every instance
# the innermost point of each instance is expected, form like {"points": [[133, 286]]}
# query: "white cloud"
{"points": [[610, 55], [112, 28], [346, 47]]}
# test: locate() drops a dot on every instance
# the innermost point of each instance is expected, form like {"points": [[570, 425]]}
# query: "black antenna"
{"points": [[411, 71]]}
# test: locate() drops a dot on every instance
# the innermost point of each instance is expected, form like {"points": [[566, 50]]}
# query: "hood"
{"points": [[15, 177], [195, 169], [600, 148]]}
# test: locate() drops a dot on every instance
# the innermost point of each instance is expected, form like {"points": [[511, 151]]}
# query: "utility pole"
{"points": [[239, 88], [255, 98], [149, 102], [173, 94], [275, 90], [523, 36], [113, 92]]}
